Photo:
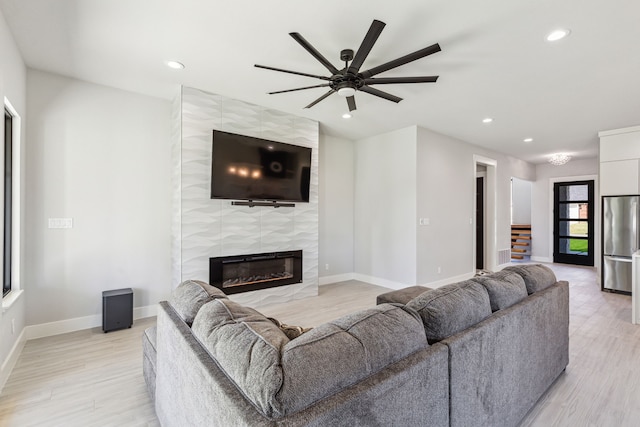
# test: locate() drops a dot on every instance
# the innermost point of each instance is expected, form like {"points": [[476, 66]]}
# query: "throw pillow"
{"points": [[292, 332]]}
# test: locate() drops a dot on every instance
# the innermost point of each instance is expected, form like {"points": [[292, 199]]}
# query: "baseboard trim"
{"points": [[449, 280], [541, 259], [12, 359], [79, 323], [327, 280], [379, 281]]}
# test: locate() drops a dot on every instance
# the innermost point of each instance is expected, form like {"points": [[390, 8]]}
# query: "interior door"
{"points": [[479, 223], [573, 225]]}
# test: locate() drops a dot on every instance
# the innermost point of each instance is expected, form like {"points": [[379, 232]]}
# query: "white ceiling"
{"points": [[495, 61]]}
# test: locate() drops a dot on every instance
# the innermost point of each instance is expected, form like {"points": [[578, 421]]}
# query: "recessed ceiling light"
{"points": [[528, 140], [175, 65], [558, 34], [487, 120], [346, 116]]}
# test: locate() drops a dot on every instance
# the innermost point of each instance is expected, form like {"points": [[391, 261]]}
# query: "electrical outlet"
{"points": [[13, 326], [326, 266], [439, 270]]}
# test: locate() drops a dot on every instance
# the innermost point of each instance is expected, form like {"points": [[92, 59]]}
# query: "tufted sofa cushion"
{"points": [[536, 276], [505, 288], [190, 295], [340, 353], [281, 376], [247, 346], [450, 309]]}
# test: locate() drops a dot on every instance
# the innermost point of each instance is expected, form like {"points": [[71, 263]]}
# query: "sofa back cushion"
{"points": [[345, 351], [190, 295], [505, 288], [247, 347], [447, 310], [536, 276]]}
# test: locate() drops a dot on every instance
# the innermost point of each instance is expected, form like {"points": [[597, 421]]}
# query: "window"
{"points": [[8, 205]]}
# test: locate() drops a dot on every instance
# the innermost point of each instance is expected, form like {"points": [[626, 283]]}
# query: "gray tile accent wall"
{"points": [[205, 227]]}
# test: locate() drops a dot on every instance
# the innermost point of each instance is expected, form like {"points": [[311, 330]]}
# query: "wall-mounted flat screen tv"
{"points": [[247, 168]]}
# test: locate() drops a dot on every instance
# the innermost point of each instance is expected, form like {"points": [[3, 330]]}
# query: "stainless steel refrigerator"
{"points": [[620, 239]]}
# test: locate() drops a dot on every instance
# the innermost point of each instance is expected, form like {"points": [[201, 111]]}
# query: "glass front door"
{"points": [[573, 222]]}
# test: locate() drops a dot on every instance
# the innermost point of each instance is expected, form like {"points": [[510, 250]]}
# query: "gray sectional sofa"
{"points": [[475, 353]]}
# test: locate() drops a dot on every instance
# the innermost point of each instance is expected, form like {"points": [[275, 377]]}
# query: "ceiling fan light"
{"points": [[346, 91]]}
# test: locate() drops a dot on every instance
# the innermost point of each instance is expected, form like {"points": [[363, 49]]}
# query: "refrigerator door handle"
{"points": [[616, 258], [634, 230]]}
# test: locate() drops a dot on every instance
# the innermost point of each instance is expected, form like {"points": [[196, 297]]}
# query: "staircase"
{"points": [[520, 241]]}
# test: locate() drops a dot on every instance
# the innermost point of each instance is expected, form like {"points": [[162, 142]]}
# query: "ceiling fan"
{"points": [[350, 79]]}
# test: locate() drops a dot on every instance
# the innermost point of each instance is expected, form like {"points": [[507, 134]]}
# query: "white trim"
{"points": [[618, 131], [12, 359], [80, 323], [327, 280], [10, 299], [596, 215], [16, 196], [542, 259], [379, 281], [491, 220], [449, 280]]}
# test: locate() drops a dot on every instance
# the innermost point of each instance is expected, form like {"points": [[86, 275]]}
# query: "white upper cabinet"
{"points": [[620, 162]]}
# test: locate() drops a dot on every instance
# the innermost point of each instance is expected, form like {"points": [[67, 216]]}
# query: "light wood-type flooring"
{"points": [[89, 378]]}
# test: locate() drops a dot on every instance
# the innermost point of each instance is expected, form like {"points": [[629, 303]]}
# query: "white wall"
{"points": [[521, 201], [102, 157], [446, 194], [445, 175], [542, 206], [12, 87], [385, 208], [336, 206]]}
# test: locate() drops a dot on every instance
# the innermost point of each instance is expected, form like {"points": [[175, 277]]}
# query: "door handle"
{"points": [[614, 258]]}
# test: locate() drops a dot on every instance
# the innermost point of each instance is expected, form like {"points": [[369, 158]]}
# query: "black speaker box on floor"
{"points": [[117, 309]]}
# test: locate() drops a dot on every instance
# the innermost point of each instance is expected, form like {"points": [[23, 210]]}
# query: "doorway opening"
{"points": [[484, 233], [481, 174], [521, 236], [573, 222]]}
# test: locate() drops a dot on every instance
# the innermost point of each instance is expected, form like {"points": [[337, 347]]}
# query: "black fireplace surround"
{"points": [[244, 273]]}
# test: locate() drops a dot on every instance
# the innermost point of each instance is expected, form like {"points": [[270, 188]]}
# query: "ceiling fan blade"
{"points": [[364, 49], [300, 88], [393, 80], [320, 99], [351, 102], [401, 61], [305, 44], [380, 94], [292, 72]]}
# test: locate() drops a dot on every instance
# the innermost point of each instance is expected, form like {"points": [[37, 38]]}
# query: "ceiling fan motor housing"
{"points": [[346, 54]]}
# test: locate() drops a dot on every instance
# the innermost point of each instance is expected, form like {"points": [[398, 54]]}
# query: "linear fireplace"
{"points": [[243, 273]]}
